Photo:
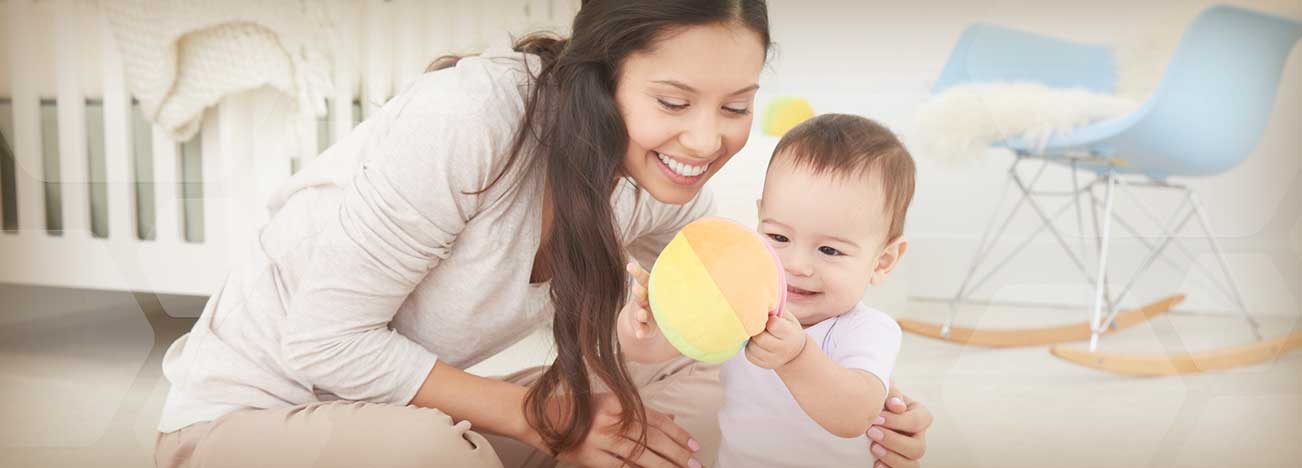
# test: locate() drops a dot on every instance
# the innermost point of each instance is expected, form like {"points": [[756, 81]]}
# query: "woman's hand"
{"points": [[640, 339], [636, 318], [668, 444], [899, 435]]}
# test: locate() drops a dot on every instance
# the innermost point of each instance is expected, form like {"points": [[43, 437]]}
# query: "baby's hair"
{"points": [[853, 146]]}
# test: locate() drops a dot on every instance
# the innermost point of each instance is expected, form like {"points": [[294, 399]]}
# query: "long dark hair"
{"points": [[571, 116]]}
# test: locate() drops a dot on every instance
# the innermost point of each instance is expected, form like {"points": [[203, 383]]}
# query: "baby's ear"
{"points": [[888, 259]]}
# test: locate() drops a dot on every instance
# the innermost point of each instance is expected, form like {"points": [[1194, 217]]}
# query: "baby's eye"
{"points": [[778, 237], [830, 251]]}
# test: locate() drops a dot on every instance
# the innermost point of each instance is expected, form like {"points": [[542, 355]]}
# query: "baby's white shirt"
{"points": [[763, 425]]}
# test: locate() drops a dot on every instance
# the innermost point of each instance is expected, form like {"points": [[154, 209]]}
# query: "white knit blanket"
{"points": [[182, 56]]}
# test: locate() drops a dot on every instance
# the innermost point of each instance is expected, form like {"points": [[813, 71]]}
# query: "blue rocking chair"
{"points": [[1221, 84]]}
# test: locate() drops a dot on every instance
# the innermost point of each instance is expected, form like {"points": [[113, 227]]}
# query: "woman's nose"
{"points": [[703, 138]]}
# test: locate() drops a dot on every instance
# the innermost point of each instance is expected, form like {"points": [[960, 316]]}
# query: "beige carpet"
{"points": [[79, 386]]}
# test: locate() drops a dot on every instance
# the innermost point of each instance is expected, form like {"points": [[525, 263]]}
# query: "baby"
{"points": [[807, 388]]}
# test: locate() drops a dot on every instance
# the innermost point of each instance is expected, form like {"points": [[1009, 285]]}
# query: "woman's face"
{"points": [[687, 106]]}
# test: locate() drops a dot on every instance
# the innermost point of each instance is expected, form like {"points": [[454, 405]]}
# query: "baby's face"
{"points": [[829, 232]]}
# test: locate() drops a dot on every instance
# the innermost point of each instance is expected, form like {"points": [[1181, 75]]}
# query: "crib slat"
{"points": [[543, 12], [537, 14], [458, 27], [376, 80], [482, 21], [309, 140], [411, 49], [215, 197], [27, 119], [235, 130], [271, 167], [563, 12], [517, 22], [439, 29], [467, 19], [345, 72], [167, 203], [117, 138], [73, 159], [495, 18]]}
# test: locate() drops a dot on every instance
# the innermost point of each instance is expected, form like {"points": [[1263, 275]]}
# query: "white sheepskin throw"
{"points": [[182, 56], [963, 121]]}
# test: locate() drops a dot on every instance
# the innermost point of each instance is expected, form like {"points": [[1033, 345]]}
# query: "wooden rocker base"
{"points": [[1182, 363], [1021, 337]]}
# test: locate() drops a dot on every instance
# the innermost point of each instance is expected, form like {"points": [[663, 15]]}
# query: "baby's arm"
{"points": [[843, 401], [639, 337]]}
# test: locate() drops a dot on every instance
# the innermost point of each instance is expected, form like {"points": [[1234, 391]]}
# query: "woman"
{"points": [[490, 195]]}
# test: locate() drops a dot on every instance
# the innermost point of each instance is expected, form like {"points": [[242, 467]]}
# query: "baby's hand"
{"points": [[636, 317], [782, 340]]}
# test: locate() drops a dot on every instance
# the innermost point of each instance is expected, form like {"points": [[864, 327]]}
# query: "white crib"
{"points": [[94, 197]]}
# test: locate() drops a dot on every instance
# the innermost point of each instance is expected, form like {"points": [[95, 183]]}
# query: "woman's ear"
{"points": [[889, 258]]}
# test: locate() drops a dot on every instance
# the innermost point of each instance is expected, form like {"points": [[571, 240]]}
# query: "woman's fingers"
{"points": [[640, 292], [643, 326], [642, 279], [667, 449], [604, 459], [624, 448], [638, 273], [666, 424], [900, 441], [891, 459], [911, 447], [907, 416], [669, 441]]}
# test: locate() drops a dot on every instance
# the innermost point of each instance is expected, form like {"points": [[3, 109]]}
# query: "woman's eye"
{"points": [[830, 251], [778, 237], [737, 110], [672, 105]]}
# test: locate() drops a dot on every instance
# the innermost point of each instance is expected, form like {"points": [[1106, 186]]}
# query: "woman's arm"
{"points": [[397, 219], [491, 405]]}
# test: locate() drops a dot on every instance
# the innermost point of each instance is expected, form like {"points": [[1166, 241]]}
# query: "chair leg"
{"points": [[1100, 285], [1155, 252], [988, 236], [1098, 235], [1075, 198], [1225, 268]]}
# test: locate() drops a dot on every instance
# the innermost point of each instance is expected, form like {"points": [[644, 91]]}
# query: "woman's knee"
{"points": [[428, 437]]}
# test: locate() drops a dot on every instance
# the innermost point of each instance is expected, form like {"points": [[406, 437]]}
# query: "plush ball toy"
{"points": [[713, 287], [784, 113]]}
